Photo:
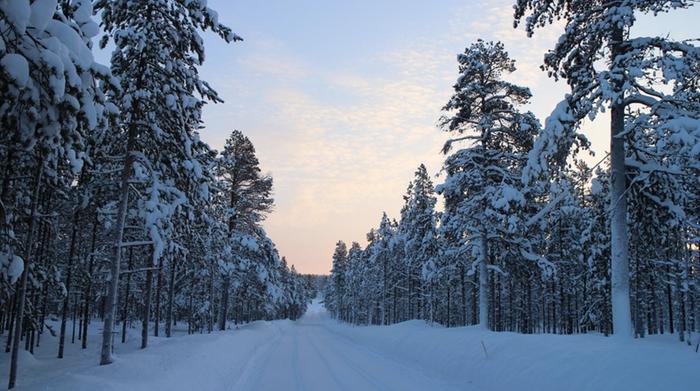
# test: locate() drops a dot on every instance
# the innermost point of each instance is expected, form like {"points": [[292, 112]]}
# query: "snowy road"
{"points": [[308, 355], [318, 353]]}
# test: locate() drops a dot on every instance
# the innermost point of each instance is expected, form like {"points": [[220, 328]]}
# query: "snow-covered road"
{"points": [[318, 353], [308, 355]]}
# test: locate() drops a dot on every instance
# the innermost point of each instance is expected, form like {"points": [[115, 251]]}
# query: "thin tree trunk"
{"points": [[75, 315], [464, 295], [25, 273], [44, 308], [669, 298], [159, 288], [125, 311], [45, 291], [409, 285], [69, 280], [224, 304], [449, 302], [171, 299], [88, 288], [210, 325], [190, 326], [11, 322], [147, 305]]}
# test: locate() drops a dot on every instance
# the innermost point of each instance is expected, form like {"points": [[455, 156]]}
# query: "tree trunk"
{"points": [[88, 288], [409, 286], [147, 304], [11, 321], [464, 295], [384, 293], [23, 282], [76, 300], [69, 279], [125, 311], [395, 312], [159, 288], [210, 320], [483, 284], [224, 304], [669, 299], [171, 299], [190, 318], [113, 291], [449, 302], [621, 308]]}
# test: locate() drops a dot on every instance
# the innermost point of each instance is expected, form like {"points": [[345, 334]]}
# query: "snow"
{"points": [[318, 353], [17, 67], [82, 56], [14, 271], [17, 12], [83, 14], [42, 12]]}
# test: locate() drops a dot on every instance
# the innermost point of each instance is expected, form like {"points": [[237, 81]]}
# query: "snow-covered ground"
{"points": [[317, 353]]}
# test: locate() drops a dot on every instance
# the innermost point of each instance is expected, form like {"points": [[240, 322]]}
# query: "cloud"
{"points": [[342, 162], [342, 142]]}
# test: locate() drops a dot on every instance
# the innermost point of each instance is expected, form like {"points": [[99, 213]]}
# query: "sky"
{"points": [[341, 100]]}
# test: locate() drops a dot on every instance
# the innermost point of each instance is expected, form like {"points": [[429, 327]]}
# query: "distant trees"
{"points": [[525, 240], [111, 205], [338, 282]]}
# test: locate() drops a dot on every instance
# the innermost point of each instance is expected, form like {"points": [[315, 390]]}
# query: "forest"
{"points": [[531, 238], [116, 215], [113, 209]]}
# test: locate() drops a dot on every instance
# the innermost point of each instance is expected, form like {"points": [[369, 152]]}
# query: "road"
{"points": [[308, 355]]}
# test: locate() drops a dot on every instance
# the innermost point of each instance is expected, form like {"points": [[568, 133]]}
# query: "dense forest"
{"points": [[116, 216], [533, 237], [112, 208]]}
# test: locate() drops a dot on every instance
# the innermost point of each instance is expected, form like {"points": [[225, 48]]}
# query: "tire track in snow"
{"points": [[324, 361], [355, 368], [296, 359], [250, 375], [365, 352]]}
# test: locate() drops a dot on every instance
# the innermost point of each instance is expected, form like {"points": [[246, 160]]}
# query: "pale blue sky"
{"points": [[341, 100]]}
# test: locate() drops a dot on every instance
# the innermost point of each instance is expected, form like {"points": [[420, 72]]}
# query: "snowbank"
{"points": [[543, 362]]}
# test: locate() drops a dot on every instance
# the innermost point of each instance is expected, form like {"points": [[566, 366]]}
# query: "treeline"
{"points": [[111, 204], [531, 238]]}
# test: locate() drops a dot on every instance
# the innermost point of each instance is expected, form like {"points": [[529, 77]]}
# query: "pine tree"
{"points": [[339, 281], [598, 30], [418, 227], [158, 49], [48, 71], [482, 181], [246, 193]]}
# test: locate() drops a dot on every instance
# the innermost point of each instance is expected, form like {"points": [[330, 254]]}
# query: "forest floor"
{"points": [[317, 353]]}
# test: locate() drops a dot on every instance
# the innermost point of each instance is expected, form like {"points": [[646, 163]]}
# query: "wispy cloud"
{"points": [[343, 142]]}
